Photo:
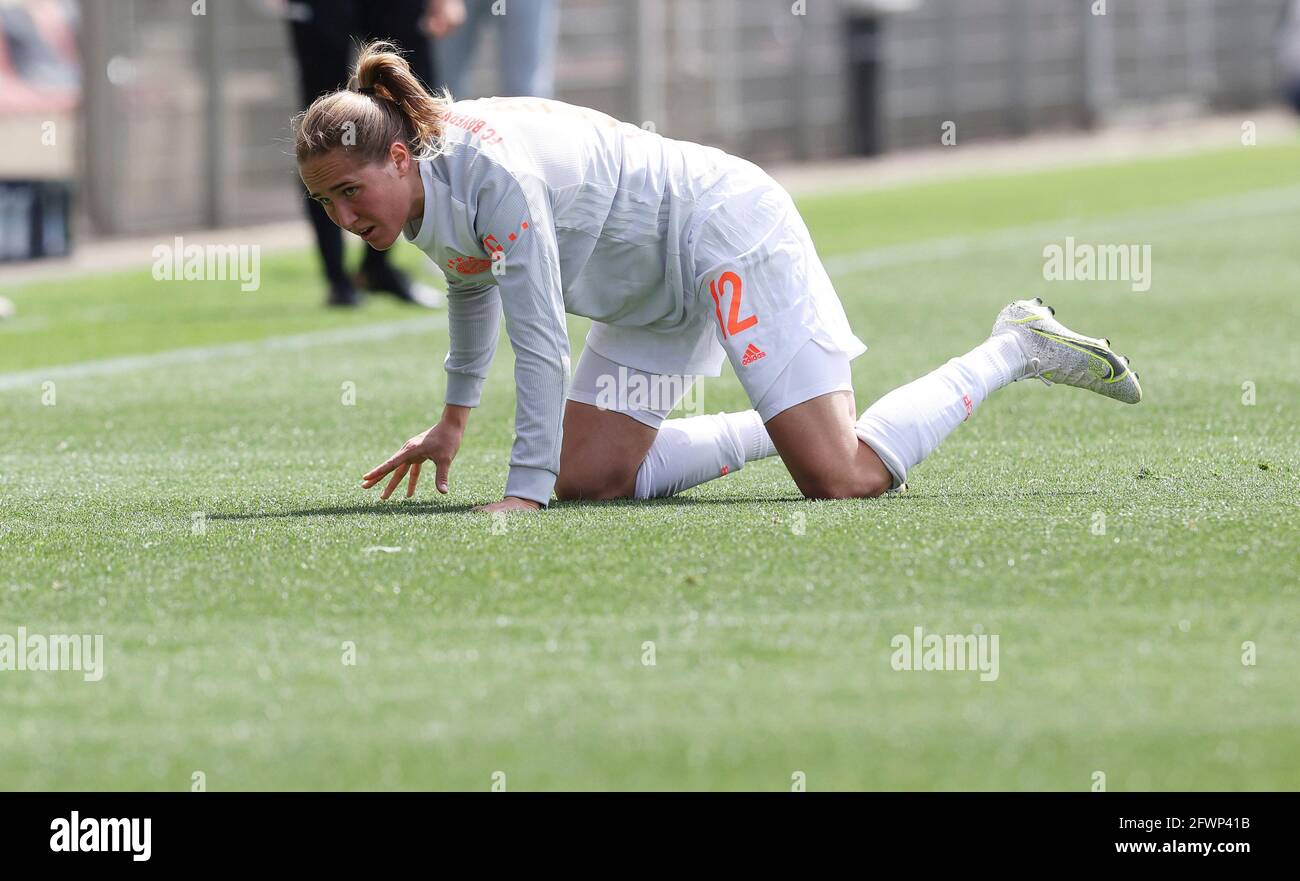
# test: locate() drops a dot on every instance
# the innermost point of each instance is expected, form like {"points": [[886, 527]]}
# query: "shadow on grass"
{"points": [[412, 508], [373, 509]]}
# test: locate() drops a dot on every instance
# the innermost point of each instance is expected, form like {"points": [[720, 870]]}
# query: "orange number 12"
{"points": [[734, 323]]}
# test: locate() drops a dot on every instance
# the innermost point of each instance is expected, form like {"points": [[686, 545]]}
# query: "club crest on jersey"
{"points": [[469, 265]]}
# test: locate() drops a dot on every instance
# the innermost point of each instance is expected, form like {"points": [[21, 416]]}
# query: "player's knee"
{"points": [[868, 485], [827, 488], [876, 484]]}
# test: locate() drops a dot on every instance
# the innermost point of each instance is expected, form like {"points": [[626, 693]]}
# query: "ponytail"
{"points": [[389, 104]]}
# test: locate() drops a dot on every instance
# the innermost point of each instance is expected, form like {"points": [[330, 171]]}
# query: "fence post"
{"points": [[100, 146], [648, 62], [726, 92], [1099, 92], [1202, 71], [1018, 120], [214, 165]]}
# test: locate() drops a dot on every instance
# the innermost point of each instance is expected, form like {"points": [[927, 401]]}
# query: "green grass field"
{"points": [[771, 616]]}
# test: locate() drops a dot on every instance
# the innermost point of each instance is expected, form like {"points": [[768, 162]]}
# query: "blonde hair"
{"points": [[388, 104]]}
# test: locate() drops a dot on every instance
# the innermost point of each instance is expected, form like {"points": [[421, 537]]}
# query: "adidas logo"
{"points": [[752, 354]]}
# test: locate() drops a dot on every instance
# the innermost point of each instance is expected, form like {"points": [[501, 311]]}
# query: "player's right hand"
{"points": [[438, 445]]}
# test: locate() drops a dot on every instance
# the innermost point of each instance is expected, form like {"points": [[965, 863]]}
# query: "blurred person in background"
{"points": [[39, 66], [40, 90], [326, 34], [526, 36]]}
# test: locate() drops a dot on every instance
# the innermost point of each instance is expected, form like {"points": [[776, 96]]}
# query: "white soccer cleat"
{"points": [[1056, 354]]}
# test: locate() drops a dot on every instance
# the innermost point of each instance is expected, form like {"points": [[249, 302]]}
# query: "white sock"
{"points": [[690, 451], [907, 424]]}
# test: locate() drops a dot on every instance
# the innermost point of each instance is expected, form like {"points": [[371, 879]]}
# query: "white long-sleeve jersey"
{"points": [[537, 208]]}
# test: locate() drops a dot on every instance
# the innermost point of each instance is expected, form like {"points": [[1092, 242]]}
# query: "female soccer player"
{"points": [[680, 254]]}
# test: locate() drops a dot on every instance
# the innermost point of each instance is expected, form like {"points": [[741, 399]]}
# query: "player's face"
{"points": [[372, 200]]}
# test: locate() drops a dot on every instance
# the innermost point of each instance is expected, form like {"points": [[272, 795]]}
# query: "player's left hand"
{"points": [[509, 503]]}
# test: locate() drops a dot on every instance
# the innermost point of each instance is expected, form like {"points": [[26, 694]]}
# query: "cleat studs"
{"points": [[1106, 341], [1038, 301], [1050, 309]]}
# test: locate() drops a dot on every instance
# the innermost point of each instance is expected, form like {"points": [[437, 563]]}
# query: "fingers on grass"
{"points": [[396, 480], [415, 476], [370, 478], [375, 475]]}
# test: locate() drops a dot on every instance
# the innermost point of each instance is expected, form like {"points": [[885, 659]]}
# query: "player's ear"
{"points": [[401, 156]]}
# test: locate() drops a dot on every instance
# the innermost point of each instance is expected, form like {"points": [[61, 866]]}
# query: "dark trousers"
{"points": [[325, 37]]}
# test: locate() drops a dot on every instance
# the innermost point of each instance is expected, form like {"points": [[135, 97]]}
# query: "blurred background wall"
{"points": [[183, 121]]}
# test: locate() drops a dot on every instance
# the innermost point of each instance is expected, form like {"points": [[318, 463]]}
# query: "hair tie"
{"points": [[366, 90]]}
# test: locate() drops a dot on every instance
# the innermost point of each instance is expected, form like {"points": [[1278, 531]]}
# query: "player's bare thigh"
{"points": [[601, 453], [818, 445]]}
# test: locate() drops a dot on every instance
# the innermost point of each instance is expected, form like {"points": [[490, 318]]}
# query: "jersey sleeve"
{"points": [[519, 237], [473, 326]]}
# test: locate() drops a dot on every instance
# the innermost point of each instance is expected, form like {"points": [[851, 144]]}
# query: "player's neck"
{"points": [[416, 214]]}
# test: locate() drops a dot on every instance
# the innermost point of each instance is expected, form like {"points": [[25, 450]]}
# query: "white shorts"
{"points": [[761, 296], [649, 398]]}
